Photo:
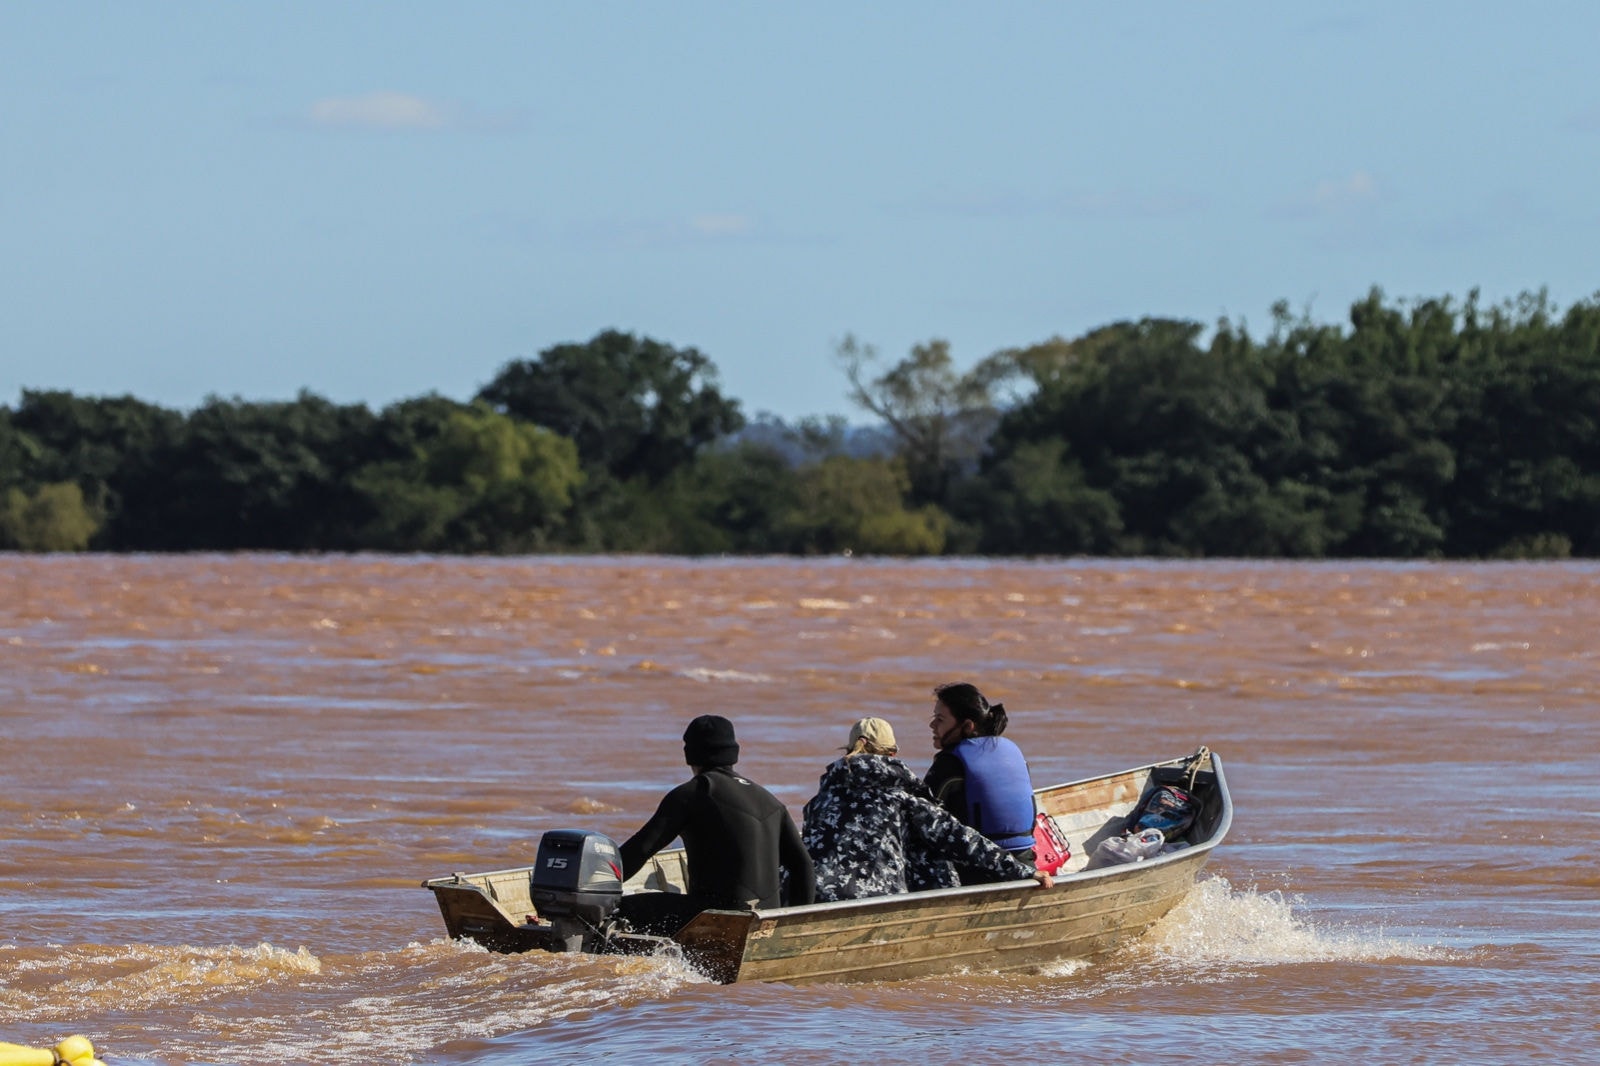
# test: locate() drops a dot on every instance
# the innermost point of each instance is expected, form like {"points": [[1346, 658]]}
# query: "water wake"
{"points": [[264, 1004], [1218, 924], [143, 976]]}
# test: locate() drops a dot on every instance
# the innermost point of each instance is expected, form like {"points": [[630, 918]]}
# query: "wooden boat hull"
{"points": [[1014, 926]]}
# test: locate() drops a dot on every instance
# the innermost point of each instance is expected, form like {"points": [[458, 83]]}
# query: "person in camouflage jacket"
{"points": [[874, 829]]}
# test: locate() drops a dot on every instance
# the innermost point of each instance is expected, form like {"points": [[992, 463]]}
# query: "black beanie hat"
{"points": [[709, 741]]}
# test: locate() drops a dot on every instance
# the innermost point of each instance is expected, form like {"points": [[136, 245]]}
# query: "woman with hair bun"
{"points": [[978, 775], [873, 829]]}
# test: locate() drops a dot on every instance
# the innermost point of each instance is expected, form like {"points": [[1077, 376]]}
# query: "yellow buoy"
{"points": [[73, 1051]]}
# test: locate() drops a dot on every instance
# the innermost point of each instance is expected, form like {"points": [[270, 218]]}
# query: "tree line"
{"points": [[1422, 429]]}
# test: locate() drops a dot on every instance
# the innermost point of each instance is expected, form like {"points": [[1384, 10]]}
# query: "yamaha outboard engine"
{"points": [[575, 885]]}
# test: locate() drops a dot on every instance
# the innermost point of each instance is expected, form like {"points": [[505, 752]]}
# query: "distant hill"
{"points": [[813, 439]]}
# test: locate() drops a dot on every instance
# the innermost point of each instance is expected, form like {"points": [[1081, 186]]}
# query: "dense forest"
{"points": [[1421, 429]]}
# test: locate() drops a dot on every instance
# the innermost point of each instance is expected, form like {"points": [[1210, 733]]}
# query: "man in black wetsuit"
{"points": [[737, 836]]}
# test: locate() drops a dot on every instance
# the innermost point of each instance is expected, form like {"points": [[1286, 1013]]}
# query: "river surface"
{"points": [[225, 777]]}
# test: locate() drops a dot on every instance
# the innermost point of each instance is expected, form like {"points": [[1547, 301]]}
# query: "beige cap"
{"points": [[873, 736]]}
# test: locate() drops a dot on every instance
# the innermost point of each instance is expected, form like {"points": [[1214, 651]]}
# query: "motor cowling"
{"points": [[576, 882]]}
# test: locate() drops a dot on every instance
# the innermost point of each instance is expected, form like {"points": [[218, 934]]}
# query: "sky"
{"points": [[375, 201]]}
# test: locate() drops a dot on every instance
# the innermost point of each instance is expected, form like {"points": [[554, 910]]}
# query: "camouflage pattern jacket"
{"points": [[873, 829]]}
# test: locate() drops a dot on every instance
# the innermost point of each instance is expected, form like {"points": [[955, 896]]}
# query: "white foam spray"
{"points": [[1216, 923]]}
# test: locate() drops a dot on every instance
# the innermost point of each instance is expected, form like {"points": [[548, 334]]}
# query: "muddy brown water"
{"points": [[226, 775]]}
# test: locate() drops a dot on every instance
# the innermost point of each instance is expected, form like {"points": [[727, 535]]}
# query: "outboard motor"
{"points": [[575, 885]]}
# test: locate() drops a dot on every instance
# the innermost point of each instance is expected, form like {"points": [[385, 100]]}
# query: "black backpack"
{"points": [[1167, 808]]}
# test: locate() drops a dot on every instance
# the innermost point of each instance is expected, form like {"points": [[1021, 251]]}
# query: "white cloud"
{"points": [[1332, 197], [380, 110], [1358, 188]]}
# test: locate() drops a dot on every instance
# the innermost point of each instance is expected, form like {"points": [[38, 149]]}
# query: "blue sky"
{"points": [[376, 201]]}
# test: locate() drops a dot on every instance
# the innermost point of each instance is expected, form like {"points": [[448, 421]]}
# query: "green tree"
{"points": [[858, 505], [480, 481], [636, 408], [1374, 413], [1527, 448], [1166, 428], [91, 439], [247, 475], [18, 453], [732, 499], [1035, 500], [940, 417], [729, 500], [108, 446], [54, 518]]}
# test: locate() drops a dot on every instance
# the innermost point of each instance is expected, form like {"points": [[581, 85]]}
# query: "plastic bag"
{"points": [[1131, 847]]}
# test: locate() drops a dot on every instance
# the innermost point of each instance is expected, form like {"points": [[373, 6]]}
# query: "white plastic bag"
{"points": [[1130, 848]]}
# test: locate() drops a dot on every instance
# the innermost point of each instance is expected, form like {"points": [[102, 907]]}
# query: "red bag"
{"points": [[1050, 848]]}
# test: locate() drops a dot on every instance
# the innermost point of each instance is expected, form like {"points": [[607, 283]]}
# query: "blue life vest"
{"points": [[999, 790]]}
